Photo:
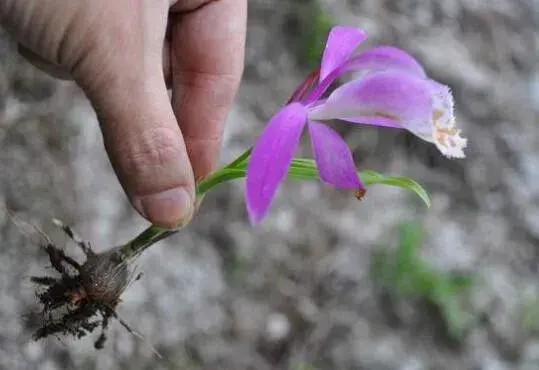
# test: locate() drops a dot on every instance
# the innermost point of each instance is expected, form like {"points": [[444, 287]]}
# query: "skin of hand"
{"points": [[124, 54]]}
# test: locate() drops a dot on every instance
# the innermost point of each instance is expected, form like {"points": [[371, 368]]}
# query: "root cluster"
{"points": [[84, 296]]}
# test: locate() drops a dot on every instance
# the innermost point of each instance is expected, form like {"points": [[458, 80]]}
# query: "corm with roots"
{"points": [[85, 295]]}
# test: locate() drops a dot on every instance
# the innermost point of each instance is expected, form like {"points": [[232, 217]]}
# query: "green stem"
{"points": [[238, 161], [146, 239], [153, 234], [223, 175]]}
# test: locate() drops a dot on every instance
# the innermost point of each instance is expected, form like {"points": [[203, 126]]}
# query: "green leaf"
{"points": [[460, 281], [370, 177], [382, 269], [220, 176], [241, 161], [313, 35], [406, 259], [305, 169], [409, 241]]}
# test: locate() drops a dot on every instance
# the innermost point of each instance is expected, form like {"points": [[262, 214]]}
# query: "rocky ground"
{"points": [[297, 292]]}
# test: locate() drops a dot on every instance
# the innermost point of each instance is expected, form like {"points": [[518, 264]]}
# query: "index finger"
{"points": [[206, 56]]}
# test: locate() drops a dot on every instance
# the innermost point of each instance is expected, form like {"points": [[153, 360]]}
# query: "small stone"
{"points": [[277, 327]]}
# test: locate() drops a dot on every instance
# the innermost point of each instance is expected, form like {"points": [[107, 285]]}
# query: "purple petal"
{"points": [[384, 98], [374, 121], [384, 58], [442, 104], [379, 58], [270, 158], [333, 157], [341, 42]]}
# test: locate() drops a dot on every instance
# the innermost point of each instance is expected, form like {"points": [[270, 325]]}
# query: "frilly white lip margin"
{"points": [[445, 135], [449, 142]]}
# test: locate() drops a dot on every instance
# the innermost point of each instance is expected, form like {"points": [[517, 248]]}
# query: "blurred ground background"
{"points": [[324, 282]]}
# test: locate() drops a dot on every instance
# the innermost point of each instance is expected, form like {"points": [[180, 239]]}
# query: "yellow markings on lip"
{"points": [[446, 130], [436, 115], [443, 134]]}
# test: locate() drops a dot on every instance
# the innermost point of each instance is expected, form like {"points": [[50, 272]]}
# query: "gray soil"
{"points": [[295, 292]]}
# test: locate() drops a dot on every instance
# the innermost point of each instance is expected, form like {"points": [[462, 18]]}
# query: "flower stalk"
{"points": [[154, 234]]}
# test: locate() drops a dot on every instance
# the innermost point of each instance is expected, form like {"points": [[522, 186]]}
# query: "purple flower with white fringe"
{"points": [[390, 88]]}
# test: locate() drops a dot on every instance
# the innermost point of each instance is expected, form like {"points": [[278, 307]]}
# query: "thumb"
{"points": [[143, 140]]}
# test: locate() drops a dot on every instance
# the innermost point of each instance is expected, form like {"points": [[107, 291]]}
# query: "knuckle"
{"points": [[155, 150], [221, 87]]}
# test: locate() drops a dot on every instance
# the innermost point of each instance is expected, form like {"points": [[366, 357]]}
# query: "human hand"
{"points": [[118, 53]]}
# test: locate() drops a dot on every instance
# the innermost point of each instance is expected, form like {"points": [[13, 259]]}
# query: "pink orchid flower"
{"points": [[390, 89]]}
